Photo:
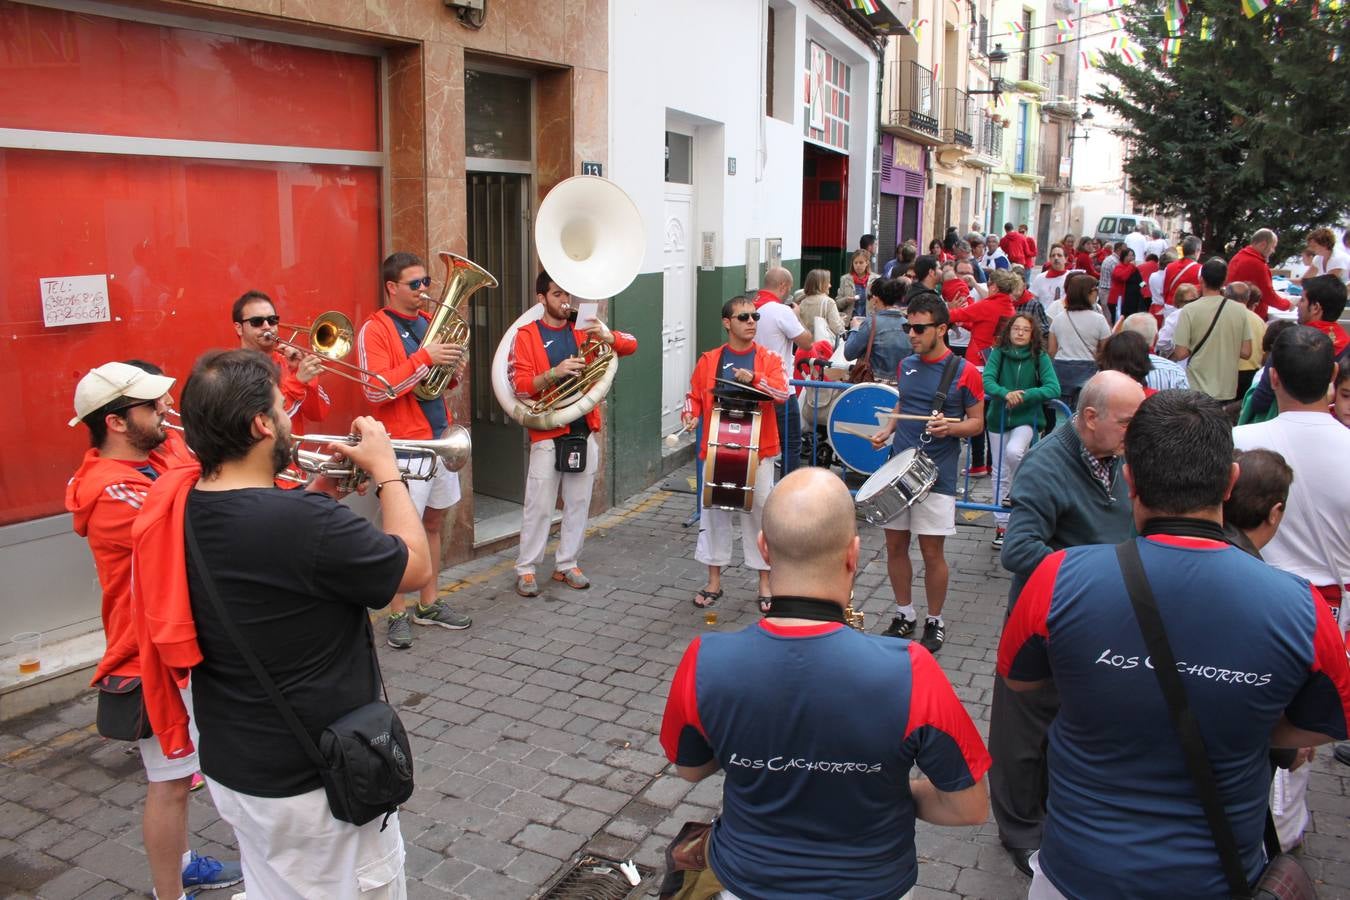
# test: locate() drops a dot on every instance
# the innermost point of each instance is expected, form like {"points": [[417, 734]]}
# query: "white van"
{"points": [[1114, 227]]}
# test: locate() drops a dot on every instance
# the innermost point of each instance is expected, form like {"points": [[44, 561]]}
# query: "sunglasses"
{"points": [[416, 283], [746, 317], [123, 410], [260, 321], [917, 329]]}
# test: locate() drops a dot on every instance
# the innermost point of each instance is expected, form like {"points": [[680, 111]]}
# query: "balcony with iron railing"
{"points": [[1058, 99], [1025, 164], [988, 135], [1053, 171], [911, 99], [956, 118]]}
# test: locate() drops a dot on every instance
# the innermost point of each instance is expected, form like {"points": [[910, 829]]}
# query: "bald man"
{"points": [[779, 332], [777, 706]]}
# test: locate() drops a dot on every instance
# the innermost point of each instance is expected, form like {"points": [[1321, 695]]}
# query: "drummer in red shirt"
{"points": [[741, 360]]}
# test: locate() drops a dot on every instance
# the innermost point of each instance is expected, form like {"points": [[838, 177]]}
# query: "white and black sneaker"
{"points": [[900, 627], [934, 633]]}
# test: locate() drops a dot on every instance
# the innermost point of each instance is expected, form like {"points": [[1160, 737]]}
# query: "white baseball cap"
{"points": [[109, 381]]}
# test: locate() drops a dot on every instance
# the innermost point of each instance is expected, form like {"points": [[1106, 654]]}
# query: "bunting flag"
{"points": [[1175, 13], [1204, 28], [1064, 25], [1087, 61], [1015, 27], [1049, 58], [1253, 8], [1171, 49], [1116, 21], [867, 7], [916, 27], [1063, 37]]}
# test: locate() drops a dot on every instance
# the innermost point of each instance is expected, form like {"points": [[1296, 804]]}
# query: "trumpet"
{"points": [[416, 460], [330, 336]]}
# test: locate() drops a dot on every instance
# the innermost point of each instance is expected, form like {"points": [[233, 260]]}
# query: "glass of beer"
{"points": [[28, 651], [710, 617]]}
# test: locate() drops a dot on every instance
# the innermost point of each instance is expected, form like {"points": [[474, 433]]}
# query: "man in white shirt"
{"points": [[1157, 246], [1137, 241], [1165, 374], [1312, 541], [779, 332]]}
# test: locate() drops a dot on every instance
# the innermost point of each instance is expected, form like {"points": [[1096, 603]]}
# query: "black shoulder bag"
{"points": [[1284, 877], [364, 758], [1210, 330]]}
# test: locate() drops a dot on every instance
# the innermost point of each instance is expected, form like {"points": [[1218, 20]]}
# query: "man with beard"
{"points": [[123, 406], [296, 573]]}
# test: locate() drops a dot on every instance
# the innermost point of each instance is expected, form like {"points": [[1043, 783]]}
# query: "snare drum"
{"points": [[895, 487], [733, 459], [853, 420]]}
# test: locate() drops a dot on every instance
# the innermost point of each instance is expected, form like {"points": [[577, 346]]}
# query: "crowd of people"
{"points": [[1146, 497]]}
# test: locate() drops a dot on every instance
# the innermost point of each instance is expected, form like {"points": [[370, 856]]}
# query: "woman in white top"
{"points": [[1080, 331], [817, 303], [1327, 257], [1048, 285]]}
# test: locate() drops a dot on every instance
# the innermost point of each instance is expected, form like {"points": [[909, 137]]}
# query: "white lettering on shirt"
{"points": [[1209, 673], [778, 764]]}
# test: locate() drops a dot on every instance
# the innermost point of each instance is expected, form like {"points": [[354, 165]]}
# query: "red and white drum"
{"points": [[732, 460]]}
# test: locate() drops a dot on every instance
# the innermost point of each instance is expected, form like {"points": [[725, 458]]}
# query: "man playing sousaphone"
{"points": [[545, 355], [920, 379], [741, 360], [390, 346]]}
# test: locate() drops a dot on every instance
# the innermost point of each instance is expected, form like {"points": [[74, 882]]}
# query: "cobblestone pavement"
{"points": [[536, 732]]}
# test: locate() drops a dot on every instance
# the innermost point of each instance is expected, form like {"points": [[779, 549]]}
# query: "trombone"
{"points": [[416, 460], [330, 336]]}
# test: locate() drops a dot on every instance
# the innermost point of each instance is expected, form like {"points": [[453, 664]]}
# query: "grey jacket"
{"points": [[1056, 503]]}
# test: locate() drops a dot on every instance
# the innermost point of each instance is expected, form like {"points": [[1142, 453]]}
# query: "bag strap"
{"points": [[871, 338], [1150, 624], [1212, 322], [948, 375], [287, 713]]}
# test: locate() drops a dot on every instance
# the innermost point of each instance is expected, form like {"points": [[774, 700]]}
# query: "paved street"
{"points": [[536, 733]]}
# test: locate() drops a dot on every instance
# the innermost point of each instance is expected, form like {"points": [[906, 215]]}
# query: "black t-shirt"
{"points": [[297, 571]]}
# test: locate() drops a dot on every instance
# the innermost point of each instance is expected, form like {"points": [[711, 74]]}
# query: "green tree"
{"points": [[1247, 127]]}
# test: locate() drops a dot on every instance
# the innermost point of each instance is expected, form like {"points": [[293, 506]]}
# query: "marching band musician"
{"points": [[920, 378], [544, 355], [123, 406], [255, 317], [749, 363], [389, 344]]}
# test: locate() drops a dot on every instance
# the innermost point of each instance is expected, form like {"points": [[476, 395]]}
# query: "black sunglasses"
{"points": [[746, 317], [260, 321], [416, 283], [123, 410], [917, 329]]}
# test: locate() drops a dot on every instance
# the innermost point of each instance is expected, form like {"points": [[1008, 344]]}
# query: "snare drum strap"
{"points": [[948, 375]]}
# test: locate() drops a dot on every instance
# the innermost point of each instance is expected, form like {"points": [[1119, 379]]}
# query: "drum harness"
{"points": [[939, 399]]}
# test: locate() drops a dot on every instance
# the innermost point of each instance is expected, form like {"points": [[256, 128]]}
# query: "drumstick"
{"points": [[906, 417], [674, 439], [865, 432]]}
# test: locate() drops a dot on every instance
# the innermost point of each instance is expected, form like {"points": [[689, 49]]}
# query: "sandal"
{"points": [[709, 598], [765, 605]]}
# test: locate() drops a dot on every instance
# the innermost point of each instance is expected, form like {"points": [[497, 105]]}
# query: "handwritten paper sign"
{"points": [[74, 300]]}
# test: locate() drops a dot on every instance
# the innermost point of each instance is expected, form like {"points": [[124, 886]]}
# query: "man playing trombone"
{"points": [[546, 356], [255, 322], [390, 346]]}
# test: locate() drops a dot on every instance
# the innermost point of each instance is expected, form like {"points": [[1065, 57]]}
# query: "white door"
{"points": [[677, 314]]}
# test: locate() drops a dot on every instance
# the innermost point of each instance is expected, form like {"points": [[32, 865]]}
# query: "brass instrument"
{"points": [[417, 460], [330, 336], [853, 617], [572, 389], [448, 325]]}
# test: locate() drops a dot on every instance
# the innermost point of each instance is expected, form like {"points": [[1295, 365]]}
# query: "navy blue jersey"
{"points": [[1252, 643], [918, 382], [817, 728], [411, 331], [559, 343], [731, 361]]}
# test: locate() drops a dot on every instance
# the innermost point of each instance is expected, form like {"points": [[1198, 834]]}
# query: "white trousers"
{"points": [[541, 497], [291, 848], [715, 527], [1005, 453], [1289, 804]]}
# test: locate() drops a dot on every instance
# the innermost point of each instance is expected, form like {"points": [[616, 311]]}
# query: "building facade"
{"points": [[176, 154]]}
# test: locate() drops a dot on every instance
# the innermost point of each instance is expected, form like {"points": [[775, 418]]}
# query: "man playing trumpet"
{"points": [[390, 346], [545, 354], [255, 322]]}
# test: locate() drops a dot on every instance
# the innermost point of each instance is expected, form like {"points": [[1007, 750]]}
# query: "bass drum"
{"points": [[853, 419]]}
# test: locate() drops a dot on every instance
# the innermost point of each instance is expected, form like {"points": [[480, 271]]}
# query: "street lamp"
{"points": [[997, 57], [1085, 118]]}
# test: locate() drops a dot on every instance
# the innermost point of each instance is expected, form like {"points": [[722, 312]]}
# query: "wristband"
{"points": [[380, 486]]}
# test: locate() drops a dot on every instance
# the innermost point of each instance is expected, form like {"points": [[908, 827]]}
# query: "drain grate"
{"points": [[595, 878]]}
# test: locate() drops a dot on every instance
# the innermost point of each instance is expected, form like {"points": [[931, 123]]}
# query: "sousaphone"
{"points": [[589, 237]]}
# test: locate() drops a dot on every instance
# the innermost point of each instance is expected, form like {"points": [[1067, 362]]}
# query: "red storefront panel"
{"points": [[64, 71], [179, 240]]}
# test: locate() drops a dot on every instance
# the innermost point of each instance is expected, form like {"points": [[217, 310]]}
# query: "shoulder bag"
{"points": [[1284, 877], [862, 369], [364, 758]]}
